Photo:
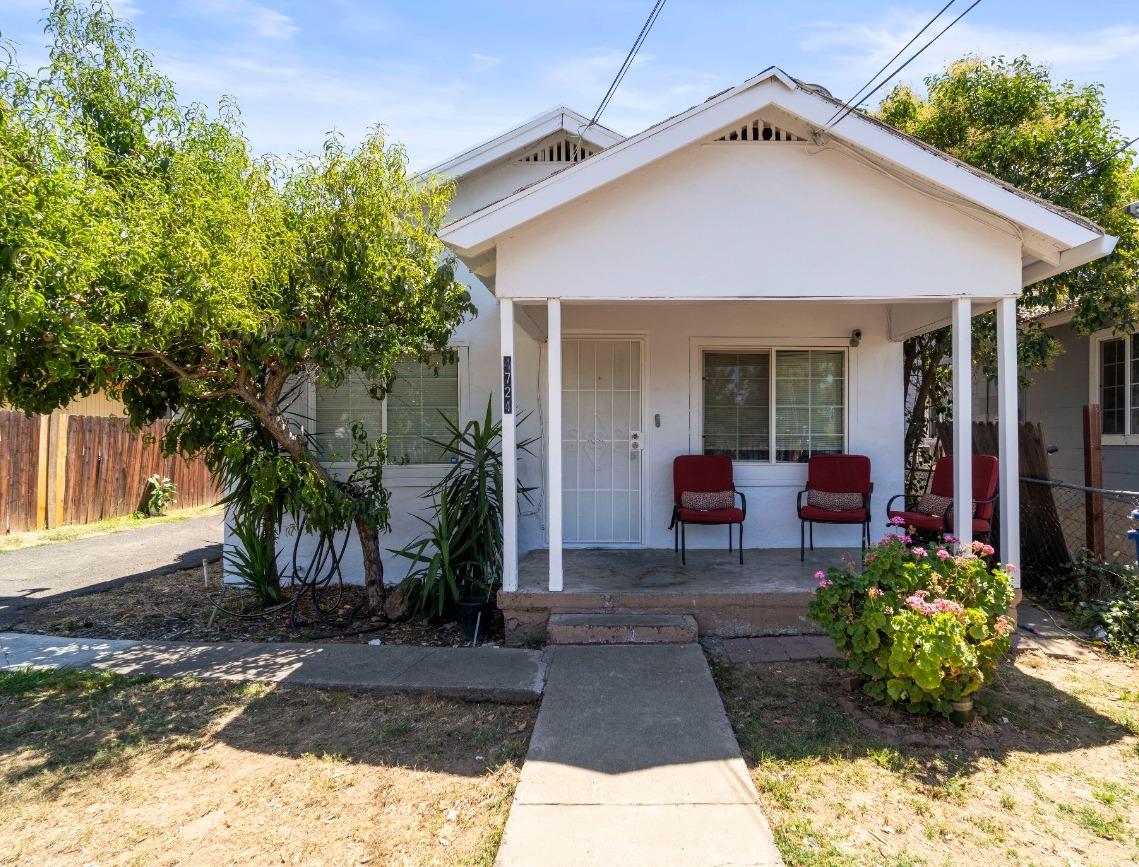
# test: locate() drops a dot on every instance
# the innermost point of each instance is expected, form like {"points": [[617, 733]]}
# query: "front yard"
{"points": [[1049, 775], [100, 768]]}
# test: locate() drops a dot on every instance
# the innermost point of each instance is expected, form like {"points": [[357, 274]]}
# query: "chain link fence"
{"points": [[1058, 519]]}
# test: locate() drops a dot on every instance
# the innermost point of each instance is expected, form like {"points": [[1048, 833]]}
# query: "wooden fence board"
{"points": [[104, 475]]}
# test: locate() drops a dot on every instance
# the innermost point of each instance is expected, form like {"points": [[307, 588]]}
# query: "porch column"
{"points": [[509, 448], [554, 439], [1008, 432], [963, 421]]}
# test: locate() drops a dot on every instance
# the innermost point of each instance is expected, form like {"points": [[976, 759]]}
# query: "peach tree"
{"points": [[145, 253]]}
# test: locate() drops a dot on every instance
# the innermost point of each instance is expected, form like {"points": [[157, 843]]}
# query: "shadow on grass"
{"points": [[59, 724], [790, 712]]}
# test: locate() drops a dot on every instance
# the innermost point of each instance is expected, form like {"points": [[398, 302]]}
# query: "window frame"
{"points": [[1130, 436], [410, 475], [771, 470]]}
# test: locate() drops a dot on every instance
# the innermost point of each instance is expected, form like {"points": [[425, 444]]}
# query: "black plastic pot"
{"points": [[474, 616]]}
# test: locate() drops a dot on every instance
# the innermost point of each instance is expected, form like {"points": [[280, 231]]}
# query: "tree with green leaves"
{"points": [[145, 253], [1009, 118]]}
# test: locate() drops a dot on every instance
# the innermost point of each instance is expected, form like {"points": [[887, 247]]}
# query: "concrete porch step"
{"points": [[621, 629]]}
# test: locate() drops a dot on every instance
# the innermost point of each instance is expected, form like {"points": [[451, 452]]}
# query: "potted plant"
{"points": [[456, 565]]}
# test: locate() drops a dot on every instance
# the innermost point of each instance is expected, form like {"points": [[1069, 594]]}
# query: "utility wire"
{"points": [[850, 102], [913, 57], [620, 76], [1090, 170]]}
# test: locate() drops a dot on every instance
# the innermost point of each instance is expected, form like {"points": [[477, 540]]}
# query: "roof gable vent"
{"points": [[563, 149], [759, 130]]}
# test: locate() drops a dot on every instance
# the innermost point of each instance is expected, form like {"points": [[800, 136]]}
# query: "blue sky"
{"points": [[442, 75]]}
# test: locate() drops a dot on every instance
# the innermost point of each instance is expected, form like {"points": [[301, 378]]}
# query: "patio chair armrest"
{"points": [[743, 499], [890, 502]]}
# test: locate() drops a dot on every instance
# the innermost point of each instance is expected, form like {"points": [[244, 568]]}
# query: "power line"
{"points": [[620, 76], [886, 65], [1090, 170], [913, 57]]}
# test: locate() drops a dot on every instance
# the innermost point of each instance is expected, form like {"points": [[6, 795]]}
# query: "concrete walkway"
{"points": [[59, 569], [474, 673], [633, 762]]}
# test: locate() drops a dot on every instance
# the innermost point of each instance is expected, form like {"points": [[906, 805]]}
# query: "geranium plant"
{"points": [[924, 627]]}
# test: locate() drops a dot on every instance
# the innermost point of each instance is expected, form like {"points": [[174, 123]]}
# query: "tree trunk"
{"points": [[373, 567], [269, 535]]}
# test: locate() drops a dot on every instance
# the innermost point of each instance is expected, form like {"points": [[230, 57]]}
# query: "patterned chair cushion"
{"points": [[932, 504], [707, 501], [833, 501]]}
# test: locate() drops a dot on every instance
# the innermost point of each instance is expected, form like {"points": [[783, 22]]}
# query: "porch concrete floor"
{"points": [[659, 570]]}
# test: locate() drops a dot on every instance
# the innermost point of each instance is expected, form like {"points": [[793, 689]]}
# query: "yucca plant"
{"points": [[461, 552]]}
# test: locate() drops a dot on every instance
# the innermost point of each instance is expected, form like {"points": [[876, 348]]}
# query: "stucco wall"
{"points": [[740, 219]]}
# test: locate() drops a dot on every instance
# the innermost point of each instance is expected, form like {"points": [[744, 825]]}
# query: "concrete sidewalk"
{"points": [[58, 569], [473, 673], [633, 762]]}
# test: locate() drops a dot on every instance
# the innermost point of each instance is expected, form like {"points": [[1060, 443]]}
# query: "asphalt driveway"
{"points": [[34, 575]]}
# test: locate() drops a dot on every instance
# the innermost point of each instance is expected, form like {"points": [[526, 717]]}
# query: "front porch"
{"points": [[767, 595]]}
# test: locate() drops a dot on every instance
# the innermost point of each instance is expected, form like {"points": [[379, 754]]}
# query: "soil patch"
{"points": [[181, 606], [100, 768], [1048, 773]]}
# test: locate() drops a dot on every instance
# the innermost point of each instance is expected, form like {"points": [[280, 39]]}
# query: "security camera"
{"points": [[1133, 210], [855, 337]]}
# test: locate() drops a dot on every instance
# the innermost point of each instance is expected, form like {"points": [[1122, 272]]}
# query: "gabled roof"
{"points": [[560, 119], [1053, 239]]}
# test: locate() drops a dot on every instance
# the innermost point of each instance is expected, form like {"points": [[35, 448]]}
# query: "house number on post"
{"points": [[507, 387]]}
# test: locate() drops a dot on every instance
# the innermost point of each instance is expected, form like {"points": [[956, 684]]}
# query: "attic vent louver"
{"points": [[757, 130], [561, 150]]}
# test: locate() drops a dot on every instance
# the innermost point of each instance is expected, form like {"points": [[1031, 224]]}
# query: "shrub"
{"points": [[1104, 597], [161, 494], [925, 628]]}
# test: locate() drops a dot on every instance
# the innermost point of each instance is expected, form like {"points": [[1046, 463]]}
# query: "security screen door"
{"points": [[602, 436]]}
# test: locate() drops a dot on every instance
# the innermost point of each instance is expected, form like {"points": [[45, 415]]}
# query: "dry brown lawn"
{"points": [[1050, 775], [96, 768]]}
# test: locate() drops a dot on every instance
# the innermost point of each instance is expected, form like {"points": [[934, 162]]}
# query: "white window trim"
{"points": [[1095, 354], [769, 472], [412, 475]]}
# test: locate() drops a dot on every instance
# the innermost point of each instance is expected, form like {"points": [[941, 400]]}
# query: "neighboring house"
{"points": [[737, 279], [1099, 368]]}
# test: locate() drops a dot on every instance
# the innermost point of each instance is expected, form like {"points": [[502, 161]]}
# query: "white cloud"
{"points": [[270, 23], [483, 62], [869, 43]]}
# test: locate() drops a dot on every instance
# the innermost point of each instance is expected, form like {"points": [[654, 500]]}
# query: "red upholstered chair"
{"points": [[831, 479], [985, 481], [704, 474]]}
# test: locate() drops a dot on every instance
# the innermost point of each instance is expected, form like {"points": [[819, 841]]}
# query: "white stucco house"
{"points": [[622, 279]]}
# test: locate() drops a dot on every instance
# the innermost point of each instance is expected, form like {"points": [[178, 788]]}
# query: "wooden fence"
{"points": [[75, 469]]}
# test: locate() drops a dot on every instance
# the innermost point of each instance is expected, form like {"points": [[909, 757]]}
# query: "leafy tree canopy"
{"points": [[145, 253], [1009, 118]]}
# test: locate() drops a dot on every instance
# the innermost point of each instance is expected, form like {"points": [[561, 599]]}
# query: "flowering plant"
{"points": [[925, 628]]}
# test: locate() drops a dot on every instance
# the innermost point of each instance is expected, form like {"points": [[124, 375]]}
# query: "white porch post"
{"points": [[963, 421], [554, 439], [509, 448], [1008, 425]]}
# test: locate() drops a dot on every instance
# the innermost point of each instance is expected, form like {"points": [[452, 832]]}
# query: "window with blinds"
{"points": [[409, 415], [737, 405], [808, 388]]}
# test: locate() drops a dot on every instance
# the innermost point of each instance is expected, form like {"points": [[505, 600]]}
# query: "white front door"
{"points": [[602, 436]]}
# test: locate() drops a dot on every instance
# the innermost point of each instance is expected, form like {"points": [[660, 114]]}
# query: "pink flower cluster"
{"points": [[937, 606]]}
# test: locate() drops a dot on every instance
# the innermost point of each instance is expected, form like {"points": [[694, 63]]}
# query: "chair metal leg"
{"points": [[683, 546]]}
